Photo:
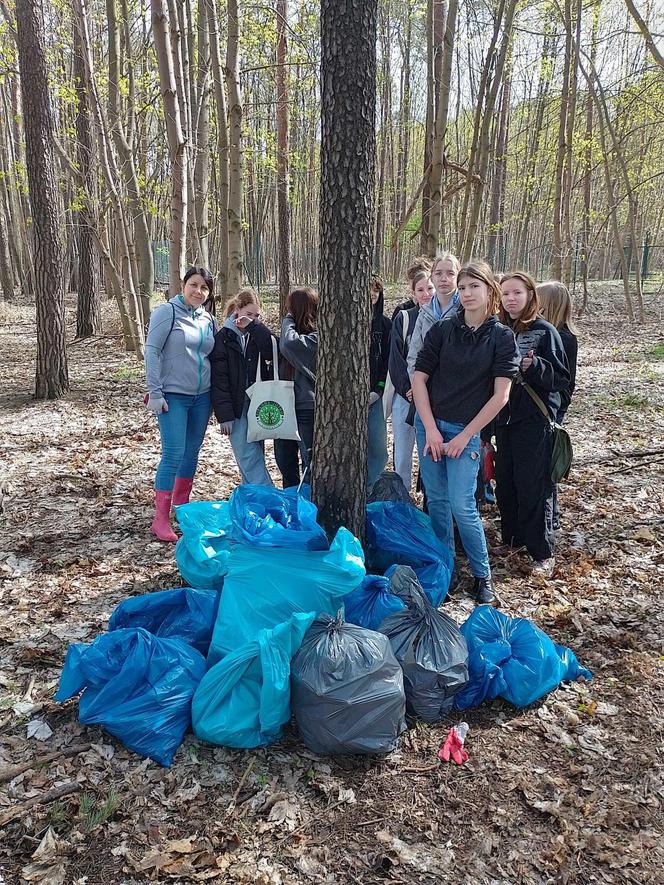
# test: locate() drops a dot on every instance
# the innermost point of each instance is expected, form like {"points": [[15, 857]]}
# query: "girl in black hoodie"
{"points": [[241, 342], [379, 356], [524, 439]]}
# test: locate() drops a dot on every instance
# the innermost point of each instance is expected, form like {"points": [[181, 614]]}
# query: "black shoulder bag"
{"points": [[562, 454]]}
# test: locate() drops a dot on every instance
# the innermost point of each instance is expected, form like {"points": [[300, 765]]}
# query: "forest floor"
{"points": [[568, 790]]}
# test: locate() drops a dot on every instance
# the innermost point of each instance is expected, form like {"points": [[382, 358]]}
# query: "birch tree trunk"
{"points": [[222, 145], [348, 104], [235, 258], [52, 377], [176, 145]]}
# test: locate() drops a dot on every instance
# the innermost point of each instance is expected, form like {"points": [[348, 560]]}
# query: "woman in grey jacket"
{"points": [[177, 368]]}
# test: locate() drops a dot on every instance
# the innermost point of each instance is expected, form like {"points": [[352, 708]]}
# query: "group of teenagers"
{"points": [[470, 356]]}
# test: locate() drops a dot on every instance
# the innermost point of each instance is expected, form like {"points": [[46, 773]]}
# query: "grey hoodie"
{"points": [[178, 362], [300, 351], [425, 320]]}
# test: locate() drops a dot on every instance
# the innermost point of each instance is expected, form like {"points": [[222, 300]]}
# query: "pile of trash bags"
{"points": [[285, 624]]}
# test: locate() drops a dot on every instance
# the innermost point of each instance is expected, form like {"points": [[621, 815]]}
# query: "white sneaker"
{"points": [[544, 567]]}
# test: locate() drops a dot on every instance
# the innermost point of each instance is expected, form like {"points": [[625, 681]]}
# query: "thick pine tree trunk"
{"points": [[348, 148], [88, 308], [283, 202], [52, 379]]}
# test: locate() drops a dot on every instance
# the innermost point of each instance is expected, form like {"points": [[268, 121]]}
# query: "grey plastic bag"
{"points": [[430, 648], [389, 487], [347, 689]]}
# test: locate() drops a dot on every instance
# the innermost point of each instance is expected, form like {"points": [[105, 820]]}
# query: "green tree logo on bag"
{"points": [[270, 415]]}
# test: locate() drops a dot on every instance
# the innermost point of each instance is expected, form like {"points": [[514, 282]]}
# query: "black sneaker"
{"points": [[483, 592]]}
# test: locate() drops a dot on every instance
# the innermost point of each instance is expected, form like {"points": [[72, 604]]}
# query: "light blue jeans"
{"points": [[377, 442], [182, 430], [404, 440], [450, 485], [250, 456]]}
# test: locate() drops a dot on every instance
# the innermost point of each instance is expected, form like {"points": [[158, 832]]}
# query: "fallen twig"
{"points": [[247, 771], [44, 799], [9, 772]]}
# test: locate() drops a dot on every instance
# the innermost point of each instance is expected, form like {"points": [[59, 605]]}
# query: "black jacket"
{"points": [[547, 375], [571, 346], [379, 350], [233, 368], [408, 304], [462, 364], [399, 350]]}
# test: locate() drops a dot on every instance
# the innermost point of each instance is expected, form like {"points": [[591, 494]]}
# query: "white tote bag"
{"points": [[389, 392], [271, 412]]}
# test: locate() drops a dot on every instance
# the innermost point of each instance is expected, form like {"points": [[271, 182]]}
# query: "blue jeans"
{"points": [[404, 440], [250, 456], [377, 442], [182, 430], [450, 485]]}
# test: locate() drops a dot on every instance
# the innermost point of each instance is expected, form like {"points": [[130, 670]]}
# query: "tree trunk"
{"points": [[88, 307], [588, 166], [643, 27], [176, 143], [559, 189], [52, 378], [235, 258], [201, 124], [496, 237], [6, 272], [440, 134], [222, 146], [283, 202], [348, 107]]}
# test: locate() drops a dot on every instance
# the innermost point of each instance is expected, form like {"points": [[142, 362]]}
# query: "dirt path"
{"points": [[569, 790]]}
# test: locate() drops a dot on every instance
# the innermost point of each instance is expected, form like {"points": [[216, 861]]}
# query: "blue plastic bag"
{"points": [[371, 602], [513, 659], [137, 686], [267, 517], [400, 534], [184, 613], [244, 700], [202, 551], [266, 585]]}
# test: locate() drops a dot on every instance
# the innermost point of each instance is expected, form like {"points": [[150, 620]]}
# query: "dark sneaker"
{"points": [[484, 592]]}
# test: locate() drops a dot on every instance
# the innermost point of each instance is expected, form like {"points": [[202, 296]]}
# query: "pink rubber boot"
{"points": [[161, 526], [182, 490]]}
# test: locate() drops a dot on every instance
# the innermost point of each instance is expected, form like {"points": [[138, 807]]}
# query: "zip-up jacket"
{"points": [[379, 349], [234, 361], [429, 314], [408, 304], [300, 351], [177, 348], [548, 374], [399, 350], [462, 364], [571, 346]]}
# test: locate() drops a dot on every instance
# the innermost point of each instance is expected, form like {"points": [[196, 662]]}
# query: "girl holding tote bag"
{"points": [[243, 351]]}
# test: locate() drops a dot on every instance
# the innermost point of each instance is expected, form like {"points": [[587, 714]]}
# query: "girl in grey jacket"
{"points": [[177, 368]]}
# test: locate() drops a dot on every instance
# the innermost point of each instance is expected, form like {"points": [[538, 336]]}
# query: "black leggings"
{"points": [[288, 452]]}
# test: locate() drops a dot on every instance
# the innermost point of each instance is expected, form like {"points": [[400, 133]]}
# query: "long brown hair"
{"points": [[532, 308], [302, 305], [242, 299], [480, 270], [556, 304], [418, 265], [420, 275]]}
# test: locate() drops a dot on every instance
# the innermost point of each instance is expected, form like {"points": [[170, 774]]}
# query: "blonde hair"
{"points": [[421, 264], [480, 270], [556, 304], [532, 307], [447, 256], [243, 298]]}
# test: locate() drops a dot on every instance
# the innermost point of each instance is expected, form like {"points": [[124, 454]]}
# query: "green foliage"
{"points": [[94, 812]]}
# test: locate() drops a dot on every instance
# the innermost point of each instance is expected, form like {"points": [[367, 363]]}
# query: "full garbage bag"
{"points": [[263, 516], [400, 534], [513, 659], [244, 700], [389, 487], [202, 551], [430, 648], [184, 613], [370, 603], [347, 686], [266, 585], [137, 686]]}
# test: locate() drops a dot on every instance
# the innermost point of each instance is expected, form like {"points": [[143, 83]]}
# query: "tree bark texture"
{"points": [[88, 307], [222, 145], [348, 104], [52, 378], [283, 201], [235, 254]]}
